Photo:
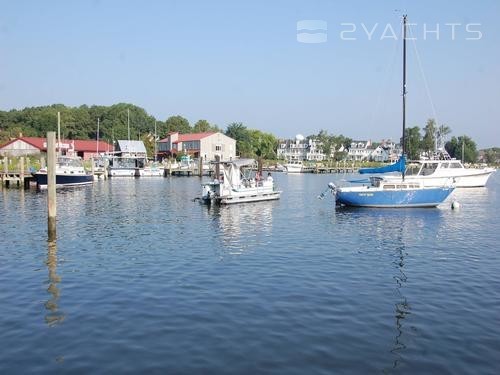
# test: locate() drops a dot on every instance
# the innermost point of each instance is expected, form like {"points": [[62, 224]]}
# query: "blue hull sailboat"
{"points": [[393, 192]]}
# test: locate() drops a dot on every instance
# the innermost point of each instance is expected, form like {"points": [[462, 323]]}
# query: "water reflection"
{"points": [[242, 226], [54, 316], [402, 306], [390, 233]]}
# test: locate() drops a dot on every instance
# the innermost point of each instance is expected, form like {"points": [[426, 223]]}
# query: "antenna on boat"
{"points": [[404, 90]]}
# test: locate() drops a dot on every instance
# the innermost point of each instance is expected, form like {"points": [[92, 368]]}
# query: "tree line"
{"points": [[116, 120]]}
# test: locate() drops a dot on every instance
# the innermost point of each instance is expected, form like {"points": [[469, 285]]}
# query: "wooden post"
{"points": [[51, 184], [5, 171], [106, 167], [21, 172], [200, 166], [217, 167], [92, 168]]}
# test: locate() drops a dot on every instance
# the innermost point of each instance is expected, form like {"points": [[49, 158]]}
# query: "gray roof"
{"points": [[136, 147]]}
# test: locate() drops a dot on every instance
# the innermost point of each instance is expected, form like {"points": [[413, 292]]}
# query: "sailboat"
{"points": [[396, 192]]}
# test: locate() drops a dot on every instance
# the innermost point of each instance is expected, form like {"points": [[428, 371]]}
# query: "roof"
{"points": [[188, 137], [79, 145], [132, 146]]}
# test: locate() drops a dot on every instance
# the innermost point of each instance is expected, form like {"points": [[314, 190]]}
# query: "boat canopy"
{"points": [[236, 162], [398, 166]]}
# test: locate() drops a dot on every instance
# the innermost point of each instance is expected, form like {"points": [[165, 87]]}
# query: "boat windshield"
{"points": [[69, 162], [428, 169], [413, 169]]}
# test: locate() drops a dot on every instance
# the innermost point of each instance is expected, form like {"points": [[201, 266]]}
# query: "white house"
{"points": [[300, 149]]}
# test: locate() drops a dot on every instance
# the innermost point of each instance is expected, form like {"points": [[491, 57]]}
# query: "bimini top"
{"points": [[236, 162]]}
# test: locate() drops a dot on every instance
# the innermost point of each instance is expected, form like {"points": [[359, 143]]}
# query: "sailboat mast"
{"points": [[58, 148], [404, 85], [128, 124], [155, 143], [97, 139]]}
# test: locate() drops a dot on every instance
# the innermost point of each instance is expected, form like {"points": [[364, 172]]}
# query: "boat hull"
{"points": [[257, 197], [466, 178], [63, 180], [122, 172], [151, 172], [373, 197]]}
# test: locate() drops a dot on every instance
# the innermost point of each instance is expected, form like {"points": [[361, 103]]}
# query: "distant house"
{"points": [[24, 146], [204, 145], [300, 149], [360, 150], [386, 151], [131, 148]]}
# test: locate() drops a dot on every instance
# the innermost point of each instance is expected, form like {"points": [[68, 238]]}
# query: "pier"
{"points": [[20, 178]]}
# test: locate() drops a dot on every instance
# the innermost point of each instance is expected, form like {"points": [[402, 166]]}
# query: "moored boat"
{"points": [[69, 172], [437, 172], [396, 191], [237, 184], [294, 166], [391, 194]]}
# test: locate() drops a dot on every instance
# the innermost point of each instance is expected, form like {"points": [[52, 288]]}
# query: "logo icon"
{"points": [[312, 31]]}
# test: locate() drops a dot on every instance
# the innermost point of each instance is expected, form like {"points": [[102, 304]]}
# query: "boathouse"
{"points": [[24, 146], [131, 149], [205, 145]]}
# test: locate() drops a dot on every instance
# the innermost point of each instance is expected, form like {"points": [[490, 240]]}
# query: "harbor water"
{"points": [[143, 278]]}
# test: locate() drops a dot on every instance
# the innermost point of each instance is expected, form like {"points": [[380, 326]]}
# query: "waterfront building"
{"points": [[205, 145], [131, 149], [25, 146], [385, 151], [300, 149]]}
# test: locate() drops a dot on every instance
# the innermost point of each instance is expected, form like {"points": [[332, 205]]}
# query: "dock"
{"points": [[19, 178]]}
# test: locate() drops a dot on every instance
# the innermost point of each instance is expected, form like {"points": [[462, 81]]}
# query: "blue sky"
{"points": [[228, 61]]}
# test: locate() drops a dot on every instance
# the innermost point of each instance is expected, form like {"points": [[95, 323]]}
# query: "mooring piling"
{"points": [[51, 185]]}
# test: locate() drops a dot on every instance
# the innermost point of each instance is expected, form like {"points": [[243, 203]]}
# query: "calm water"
{"points": [[143, 279]]}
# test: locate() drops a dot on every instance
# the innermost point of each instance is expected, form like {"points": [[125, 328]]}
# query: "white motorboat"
{"points": [[125, 166], [152, 170], [294, 166], [437, 172], [238, 183]]}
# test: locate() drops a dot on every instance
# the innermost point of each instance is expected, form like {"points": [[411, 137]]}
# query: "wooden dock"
{"points": [[16, 179], [20, 178]]}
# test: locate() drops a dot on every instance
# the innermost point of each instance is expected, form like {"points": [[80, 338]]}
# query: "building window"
{"points": [[218, 148]]}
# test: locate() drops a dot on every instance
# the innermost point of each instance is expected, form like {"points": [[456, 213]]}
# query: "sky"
{"points": [[247, 61]]}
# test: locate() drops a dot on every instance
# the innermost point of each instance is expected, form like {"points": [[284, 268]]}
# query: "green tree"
{"points": [[463, 148], [202, 126], [263, 145], [241, 134], [413, 141], [177, 124], [429, 139]]}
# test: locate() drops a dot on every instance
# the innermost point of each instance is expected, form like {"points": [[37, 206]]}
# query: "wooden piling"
{"points": [[200, 166], [5, 180], [21, 172], [92, 168], [217, 167], [51, 184]]}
